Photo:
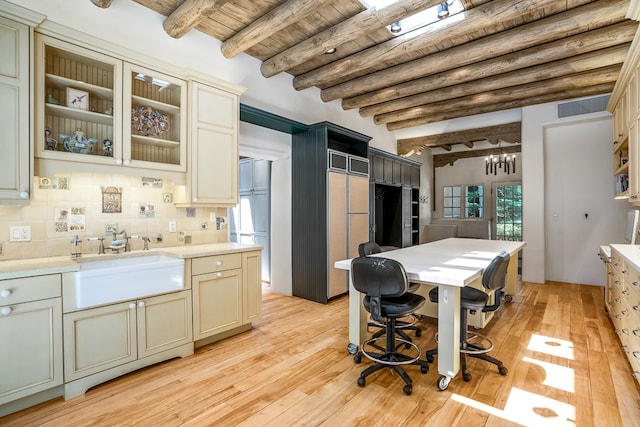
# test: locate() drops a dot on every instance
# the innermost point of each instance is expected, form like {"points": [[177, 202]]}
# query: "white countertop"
{"points": [[452, 261], [11, 269], [631, 253]]}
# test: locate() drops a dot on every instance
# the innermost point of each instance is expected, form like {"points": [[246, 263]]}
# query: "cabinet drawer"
{"points": [[213, 263], [30, 289]]}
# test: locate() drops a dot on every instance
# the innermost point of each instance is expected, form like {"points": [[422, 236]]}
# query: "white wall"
{"points": [[535, 120], [580, 213]]}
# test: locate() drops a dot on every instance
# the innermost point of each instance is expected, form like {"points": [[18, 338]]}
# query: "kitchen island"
{"points": [[449, 264]]}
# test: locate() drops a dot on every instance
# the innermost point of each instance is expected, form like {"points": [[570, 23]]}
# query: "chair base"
{"points": [[389, 357], [473, 345]]}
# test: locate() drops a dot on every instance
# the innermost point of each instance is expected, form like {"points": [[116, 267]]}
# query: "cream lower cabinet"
{"points": [[105, 342], [226, 292], [30, 338]]}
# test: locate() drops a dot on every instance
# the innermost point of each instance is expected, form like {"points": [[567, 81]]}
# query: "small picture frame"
{"points": [[78, 99]]}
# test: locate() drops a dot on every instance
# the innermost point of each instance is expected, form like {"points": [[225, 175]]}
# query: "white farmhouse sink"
{"points": [[103, 281]]}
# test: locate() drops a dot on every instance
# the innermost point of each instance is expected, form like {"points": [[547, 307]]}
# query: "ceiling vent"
{"points": [[583, 106]]}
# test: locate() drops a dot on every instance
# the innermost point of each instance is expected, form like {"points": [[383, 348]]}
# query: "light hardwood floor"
{"points": [[565, 369]]}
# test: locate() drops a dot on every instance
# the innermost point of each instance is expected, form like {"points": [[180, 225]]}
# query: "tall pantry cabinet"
{"points": [[330, 193]]}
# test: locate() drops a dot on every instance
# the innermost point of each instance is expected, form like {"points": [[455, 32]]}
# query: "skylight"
{"points": [[420, 19]]}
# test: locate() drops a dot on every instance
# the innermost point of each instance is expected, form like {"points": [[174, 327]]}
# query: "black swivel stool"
{"points": [[473, 344], [385, 285], [370, 248]]}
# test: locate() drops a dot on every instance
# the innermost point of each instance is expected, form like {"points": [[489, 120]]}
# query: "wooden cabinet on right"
{"points": [[623, 305]]}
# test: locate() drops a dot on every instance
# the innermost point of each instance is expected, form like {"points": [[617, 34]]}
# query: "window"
{"points": [[473, 204], [508, 212], [451, 201]]}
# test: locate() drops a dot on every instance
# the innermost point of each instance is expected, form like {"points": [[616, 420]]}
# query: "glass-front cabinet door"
{"points": [[94, 108], [79, 103], [154, 133]]}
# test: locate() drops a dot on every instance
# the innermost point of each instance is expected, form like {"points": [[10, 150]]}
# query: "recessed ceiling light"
{"points": [[330, 51]]}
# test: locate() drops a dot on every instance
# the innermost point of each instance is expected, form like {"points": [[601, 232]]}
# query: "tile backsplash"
{"points": [[70, 204]]}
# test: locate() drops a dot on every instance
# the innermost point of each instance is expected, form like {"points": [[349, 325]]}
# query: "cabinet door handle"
{"points": [[140, 303], [219, 274], [218, 263], [132, 306], [5, 293], [5, 310]]}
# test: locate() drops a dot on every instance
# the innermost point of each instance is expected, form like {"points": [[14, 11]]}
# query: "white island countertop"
{"points": [[452, 261], [12, 269]]}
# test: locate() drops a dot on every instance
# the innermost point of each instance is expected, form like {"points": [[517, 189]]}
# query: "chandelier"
{"points": [[502, 161]]}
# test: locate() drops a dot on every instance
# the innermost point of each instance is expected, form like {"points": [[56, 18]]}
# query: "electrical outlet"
{"points": [[172, 226], [20, 234]]}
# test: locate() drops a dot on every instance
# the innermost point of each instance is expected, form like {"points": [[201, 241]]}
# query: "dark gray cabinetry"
{"points": [[394, 193], [326, 217]]}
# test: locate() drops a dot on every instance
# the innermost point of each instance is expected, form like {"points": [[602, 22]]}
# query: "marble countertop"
{"points": [[631, 254], [11, 269]]}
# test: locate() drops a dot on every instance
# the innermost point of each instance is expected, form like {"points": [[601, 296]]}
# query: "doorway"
{"points": [[250, 220]]}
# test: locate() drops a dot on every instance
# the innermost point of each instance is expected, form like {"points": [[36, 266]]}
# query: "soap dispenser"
{"points": [[76, 249]]}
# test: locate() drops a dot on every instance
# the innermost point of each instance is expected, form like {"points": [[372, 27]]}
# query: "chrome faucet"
{"points": [[76, 251], [101, 247]]}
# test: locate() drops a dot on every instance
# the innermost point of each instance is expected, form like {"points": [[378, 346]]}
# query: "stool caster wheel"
{"points": [[502, 370], [466, 376], [419, 333], [443, 382], [508, 298], [352, 348], [424, 369], [430, 358], [357, 358], [407, 345], [407, 390], [361, 382]]}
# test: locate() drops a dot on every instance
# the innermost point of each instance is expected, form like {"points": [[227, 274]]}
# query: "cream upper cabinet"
{"points": [[15, 112], [94, 108], [78, 101], [212, 178], [154, 122]]}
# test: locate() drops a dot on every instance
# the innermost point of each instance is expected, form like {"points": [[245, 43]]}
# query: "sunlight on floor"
{"points": [[530, 409]]}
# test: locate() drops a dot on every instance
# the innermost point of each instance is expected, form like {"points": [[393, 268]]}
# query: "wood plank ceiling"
{"points": [[495, 55]]}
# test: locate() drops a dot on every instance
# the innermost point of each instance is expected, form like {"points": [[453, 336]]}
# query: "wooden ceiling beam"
{"points": [[508, 132], [538, 88], [269, 24], [472, 110], [575, 21], [440, 160], [188, 15], [608, 41], [406, 108], [353, 28], [104, 4]]}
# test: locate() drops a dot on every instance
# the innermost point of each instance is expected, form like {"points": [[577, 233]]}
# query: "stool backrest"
{"points": [[369, 248], [494, 276], [379, 277]]}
